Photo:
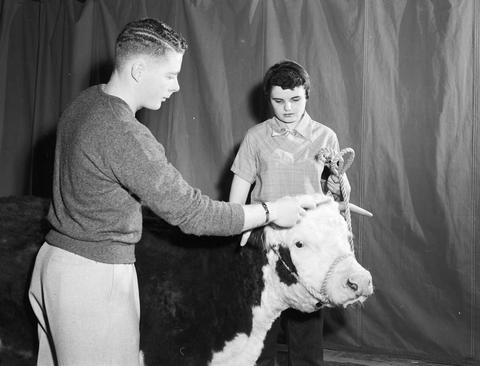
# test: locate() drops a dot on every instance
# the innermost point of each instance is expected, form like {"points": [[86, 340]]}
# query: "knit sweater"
{"points": [[107, 164]]}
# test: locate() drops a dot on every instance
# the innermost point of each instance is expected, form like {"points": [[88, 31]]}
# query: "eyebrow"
{"points": [[280, 98]]}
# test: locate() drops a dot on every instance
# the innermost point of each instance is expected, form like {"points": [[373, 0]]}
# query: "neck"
{"points": [[291, 126], [119, 88]]}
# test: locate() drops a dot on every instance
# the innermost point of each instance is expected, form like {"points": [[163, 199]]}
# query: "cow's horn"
{"points": [[356, 209], [359, 210]]}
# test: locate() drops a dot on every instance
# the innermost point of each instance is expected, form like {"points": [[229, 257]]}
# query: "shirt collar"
{"points": [[303, 128]]}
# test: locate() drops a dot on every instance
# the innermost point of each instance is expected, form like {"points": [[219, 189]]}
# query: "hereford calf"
{"points": [[208, 301], [205, 300]]}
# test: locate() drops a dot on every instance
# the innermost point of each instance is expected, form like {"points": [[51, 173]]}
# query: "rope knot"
{"points": [[338, 162]]}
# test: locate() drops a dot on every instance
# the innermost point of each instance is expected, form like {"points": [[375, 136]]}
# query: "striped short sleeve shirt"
{"points": [[282, 162]]}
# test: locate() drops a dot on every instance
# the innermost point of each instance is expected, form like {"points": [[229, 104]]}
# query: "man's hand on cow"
{"points": [[287, 211], [284, 212]]}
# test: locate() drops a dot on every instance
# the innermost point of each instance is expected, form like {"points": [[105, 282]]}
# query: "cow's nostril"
{"points": [[352, 285]]}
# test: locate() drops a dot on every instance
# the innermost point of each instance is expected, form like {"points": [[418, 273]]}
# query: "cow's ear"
{"points": [[257, 238]]}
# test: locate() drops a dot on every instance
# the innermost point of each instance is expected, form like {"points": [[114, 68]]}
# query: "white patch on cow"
{"points": [[244, 350]]}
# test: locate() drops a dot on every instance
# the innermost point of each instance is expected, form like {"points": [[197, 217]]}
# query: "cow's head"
{"points": [[312, 265]]}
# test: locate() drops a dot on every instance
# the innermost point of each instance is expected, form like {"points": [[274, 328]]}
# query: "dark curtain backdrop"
{"points": [[397, 80]]}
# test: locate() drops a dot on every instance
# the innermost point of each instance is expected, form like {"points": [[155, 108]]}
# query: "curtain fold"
{"points": [[398, 80], [419, 94]]}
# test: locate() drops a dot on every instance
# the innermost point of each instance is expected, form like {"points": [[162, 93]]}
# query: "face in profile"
{"points": [[288, 104], [160, 78]]}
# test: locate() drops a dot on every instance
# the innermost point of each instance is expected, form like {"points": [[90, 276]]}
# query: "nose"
{"points": [[360, 283], [175, 87], [352, 285], [288, 106]]}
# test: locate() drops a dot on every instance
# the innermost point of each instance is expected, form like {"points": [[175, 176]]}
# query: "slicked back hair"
{"points": [[148, 37], [287, 75]]}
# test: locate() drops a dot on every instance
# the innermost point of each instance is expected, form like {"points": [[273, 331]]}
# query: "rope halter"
{"points": [[321, 296]]}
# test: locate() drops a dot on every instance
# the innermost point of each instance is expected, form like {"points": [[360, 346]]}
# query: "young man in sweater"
{"points": [[84, 288]]}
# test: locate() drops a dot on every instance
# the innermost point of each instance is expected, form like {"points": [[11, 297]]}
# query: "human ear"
{"points": [[137, 70]]}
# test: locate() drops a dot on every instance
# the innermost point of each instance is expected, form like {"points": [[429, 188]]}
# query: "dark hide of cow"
{"points": [[282, 271], [196, 292]]}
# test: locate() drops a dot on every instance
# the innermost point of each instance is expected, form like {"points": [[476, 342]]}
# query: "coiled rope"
{"points": [[338, 163]]}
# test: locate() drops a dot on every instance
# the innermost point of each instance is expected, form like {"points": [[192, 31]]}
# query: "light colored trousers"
{"points": [[88, 312]]}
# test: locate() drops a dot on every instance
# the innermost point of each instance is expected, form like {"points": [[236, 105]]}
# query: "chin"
{"points": [[154, 107]]}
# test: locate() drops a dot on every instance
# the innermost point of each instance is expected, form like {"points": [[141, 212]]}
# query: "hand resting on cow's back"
{"points": [[206, 300]]}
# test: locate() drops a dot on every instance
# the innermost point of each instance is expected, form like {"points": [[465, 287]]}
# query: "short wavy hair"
{"points": [[149, 37], [286, 74]]}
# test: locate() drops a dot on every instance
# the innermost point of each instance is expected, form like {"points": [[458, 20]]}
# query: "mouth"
{"points": [[358, 300]]}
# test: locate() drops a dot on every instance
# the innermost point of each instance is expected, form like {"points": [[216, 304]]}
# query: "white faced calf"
{"points": [[208, 301], [309, 266], [320, 268]]}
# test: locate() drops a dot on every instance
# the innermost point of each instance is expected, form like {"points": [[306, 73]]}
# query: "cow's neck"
{"points": [[244, 349]]}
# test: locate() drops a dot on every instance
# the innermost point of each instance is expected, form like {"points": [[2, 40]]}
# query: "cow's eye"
{"points": [[299, 244]]}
